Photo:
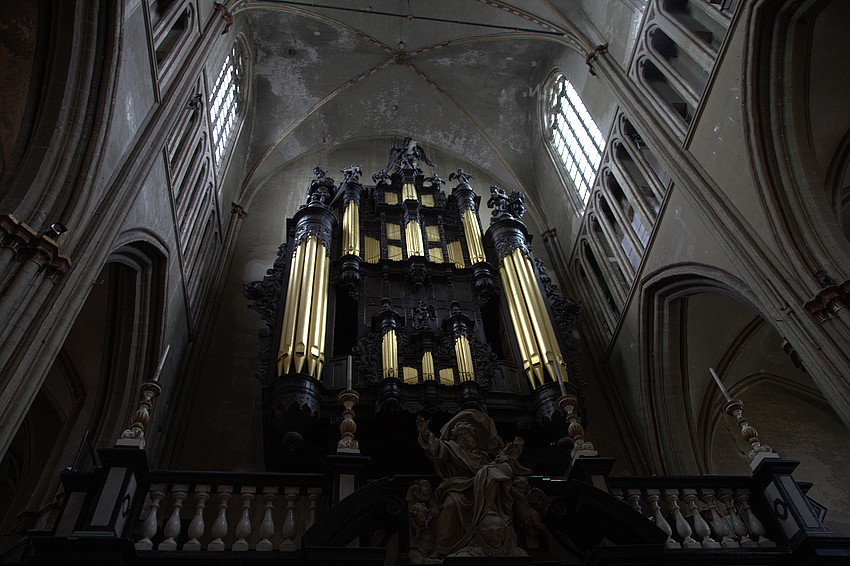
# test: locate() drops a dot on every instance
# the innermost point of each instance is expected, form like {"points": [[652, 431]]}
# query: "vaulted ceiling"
{"points": [[461, 75]]}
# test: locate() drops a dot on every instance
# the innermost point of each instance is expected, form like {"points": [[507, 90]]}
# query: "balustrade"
{"points": [[234, 512], [696, 513]]}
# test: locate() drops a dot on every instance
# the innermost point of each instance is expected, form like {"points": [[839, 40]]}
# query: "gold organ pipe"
{"points": [[302, 335], [408, 192], [464, 358], [539, 333], [427, 366], [351, 229], [547, 323], [522, 339], [413, 233], [447, 376], [287, 335], [535, 357], [537, 308], [389, 350], [302, 339], [318, 318], [473, 236]]}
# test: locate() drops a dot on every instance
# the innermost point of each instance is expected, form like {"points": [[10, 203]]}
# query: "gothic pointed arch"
{"points": [[799, 143], [665, 390]]}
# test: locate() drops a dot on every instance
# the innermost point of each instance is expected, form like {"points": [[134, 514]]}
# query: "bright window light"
{"points": [[576, 138], [226, 101]]}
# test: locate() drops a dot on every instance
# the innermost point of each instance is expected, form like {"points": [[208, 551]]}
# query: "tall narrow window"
{"points": [[574, 136], [226, 102]]}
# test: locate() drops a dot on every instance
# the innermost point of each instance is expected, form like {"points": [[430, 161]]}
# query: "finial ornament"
{"points": [[321, 188], [462, 177], [407, 156], [581, 447], [735, 408], [352, 173], [505, 206]]}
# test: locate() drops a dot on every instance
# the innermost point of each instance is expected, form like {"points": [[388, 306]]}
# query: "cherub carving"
{"points": [[435, 181], [461, 176], [423, 314], [407, 156], [321, 188], [423, 510], [352, 173], [505, 206], [529, 504], [381, 177]]}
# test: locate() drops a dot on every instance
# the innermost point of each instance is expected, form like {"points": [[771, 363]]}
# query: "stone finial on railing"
{"points": [[568, 403], [735, 409], [348, 398], [347, 427], [135, 435], [142, 416]]}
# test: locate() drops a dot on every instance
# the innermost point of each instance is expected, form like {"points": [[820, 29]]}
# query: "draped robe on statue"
{"points": [[473, 482]]}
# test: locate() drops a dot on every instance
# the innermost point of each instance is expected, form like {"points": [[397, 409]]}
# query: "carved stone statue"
{"points": [[381, 177], [529, 504], [352, 173], [462, 177], [423, 510], [435, 181], [407, 156], [321, 188], [423, 314], [475, 503], [505, 206]]}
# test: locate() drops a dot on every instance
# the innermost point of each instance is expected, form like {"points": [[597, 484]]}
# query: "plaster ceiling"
{"points": [[335, 74]]}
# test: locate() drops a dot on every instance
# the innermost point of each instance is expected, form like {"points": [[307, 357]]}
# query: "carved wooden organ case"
{"points": [[392, 290]]}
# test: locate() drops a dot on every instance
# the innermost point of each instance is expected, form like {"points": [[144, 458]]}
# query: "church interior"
{"points": [[271, 272]]}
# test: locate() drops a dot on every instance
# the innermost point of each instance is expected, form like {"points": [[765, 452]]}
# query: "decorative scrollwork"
{"points": [[505, 206], [367, 351], [311, 227], [509, 243], [484, 361], [265, 296], [565, 311]]}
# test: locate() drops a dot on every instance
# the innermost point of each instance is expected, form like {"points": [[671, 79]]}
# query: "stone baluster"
{"points": [[172, 526], [756, 528], [219, 528], [633, 497], [243, 527], [196, 527], [314, 494], [290, 529], [148, 529], [701, 528], [653, 495], [721, 529], [267, 526], [671, 496], [738, 526]]}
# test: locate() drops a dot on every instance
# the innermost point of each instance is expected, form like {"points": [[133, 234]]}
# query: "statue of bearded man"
{"points": [[477, 469]]}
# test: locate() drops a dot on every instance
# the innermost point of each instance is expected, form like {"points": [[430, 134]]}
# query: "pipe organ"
{"points": [[435, 314]]}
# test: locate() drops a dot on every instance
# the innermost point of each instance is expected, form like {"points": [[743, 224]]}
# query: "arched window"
{"points": [[574, 136], [226, 102]]}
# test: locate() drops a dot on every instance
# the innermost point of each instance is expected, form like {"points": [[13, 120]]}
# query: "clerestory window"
{"points": [[225, 104], [574, 136]]}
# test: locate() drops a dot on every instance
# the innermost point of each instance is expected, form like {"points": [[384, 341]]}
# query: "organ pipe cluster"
{"points": [[305, 315], [536, 338]]}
